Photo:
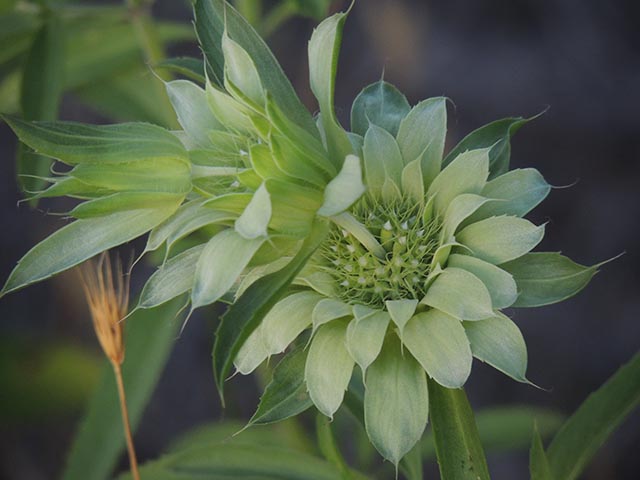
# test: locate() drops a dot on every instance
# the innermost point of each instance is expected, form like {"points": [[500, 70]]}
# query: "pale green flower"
{"points": [[412, 280]]}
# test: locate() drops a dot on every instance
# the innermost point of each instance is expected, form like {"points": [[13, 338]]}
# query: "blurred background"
{"points": [[493, 59]]}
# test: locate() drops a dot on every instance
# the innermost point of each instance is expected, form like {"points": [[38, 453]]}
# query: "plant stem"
{"points": [[133, 462], [276, 17]]}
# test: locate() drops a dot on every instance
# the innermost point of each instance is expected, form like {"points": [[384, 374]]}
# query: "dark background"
{"points": [[493, 58]]}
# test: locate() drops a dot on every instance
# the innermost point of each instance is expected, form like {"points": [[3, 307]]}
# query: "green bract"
{"points": [[395, 257]]}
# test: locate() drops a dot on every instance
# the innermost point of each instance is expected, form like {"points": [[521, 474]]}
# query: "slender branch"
{"points": [[133, 462]]}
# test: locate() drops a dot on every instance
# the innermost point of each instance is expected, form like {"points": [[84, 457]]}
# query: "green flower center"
{"points": [[409, 241]]}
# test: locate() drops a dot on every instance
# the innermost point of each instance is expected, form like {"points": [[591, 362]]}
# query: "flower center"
{"points": [[409, 241]]}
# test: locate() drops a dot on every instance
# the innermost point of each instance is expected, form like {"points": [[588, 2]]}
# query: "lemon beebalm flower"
{"points": [[411, 281]]}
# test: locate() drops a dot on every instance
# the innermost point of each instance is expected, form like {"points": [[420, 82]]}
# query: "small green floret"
{"points": [[409, 239]]}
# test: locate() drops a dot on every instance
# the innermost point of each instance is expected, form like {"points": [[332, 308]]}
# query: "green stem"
{"points": [[458, 448], [152, 49], [329, 447], [276, 17]]}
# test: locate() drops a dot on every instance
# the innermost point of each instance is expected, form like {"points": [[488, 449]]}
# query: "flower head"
{"points": [[411, 281]]}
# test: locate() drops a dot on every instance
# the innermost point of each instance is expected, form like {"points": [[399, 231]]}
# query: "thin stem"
{"points": [[133, 462], [276, 17]]}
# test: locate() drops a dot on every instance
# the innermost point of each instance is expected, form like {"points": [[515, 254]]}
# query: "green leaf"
{"points": [[171, 280], [348, 222], [396, 402], [412, 181], [594, 421], [521, 189], [538, 462], [329, 367], [324, 49], [222, 261], [460, 294], [235, 461], [190, 104], [240, 70], [500, 239], [439, 343], [40, 96], [498, 342], [124, 201], [500, 284], [458, 210], [192, 68], [382, 160], [544, 278], [256, 217], [288, 319], [401, 312], [252, 353], [190, 217], [329, 309], [365, 335], [75, 143], [458, 448], [294, 207], [79, 241], [466, 174], [286, 395], [247, 312], [345, 189], [99, 442], [422, 134], [212, 18], [379, 104], [497, 136]]}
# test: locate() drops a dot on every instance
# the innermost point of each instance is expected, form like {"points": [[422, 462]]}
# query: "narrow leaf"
{"points": [[594, 421], [286, 395], [422, 134], [497, 136], [466, 174], [212, 18], [544, 278], [521, 191], [498, 342], [538, 461], [79, 241], [190, 104], [248, 311], [324, 49], [379, 104], [396, 402], [328, 368], [222, 261], [500, 239], [287, 319], [344, 189], [171, 279], [382, 160], [365, 336]]}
